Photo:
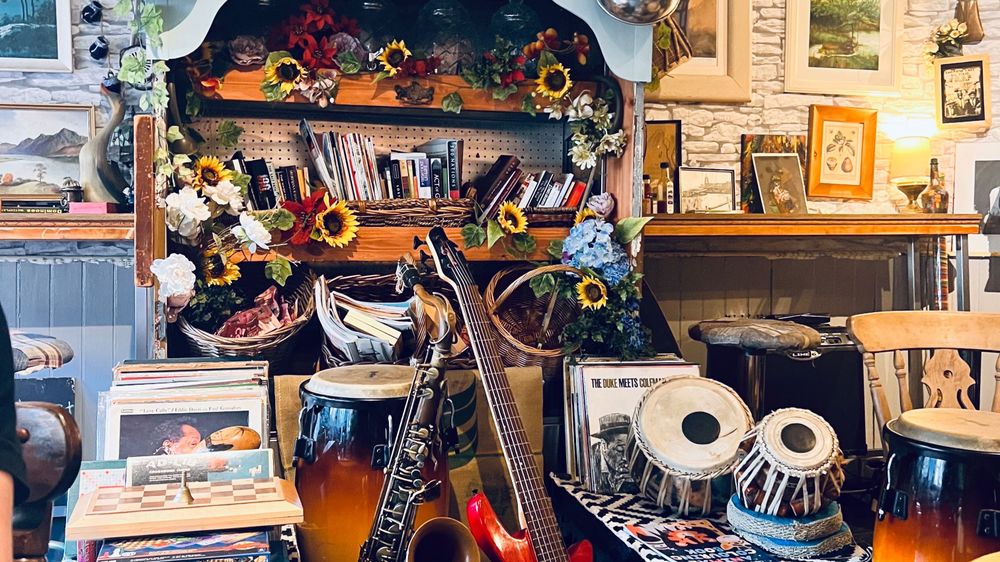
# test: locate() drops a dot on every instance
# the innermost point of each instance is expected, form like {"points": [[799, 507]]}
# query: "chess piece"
{"points": [[184, 493]]}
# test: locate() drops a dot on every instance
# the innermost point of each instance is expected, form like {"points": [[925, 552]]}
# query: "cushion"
{"points": [[755, 334], [34, 352]]}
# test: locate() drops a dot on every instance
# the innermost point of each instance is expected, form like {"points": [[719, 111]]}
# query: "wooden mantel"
{"points": [[702, 225], [64, 226]]}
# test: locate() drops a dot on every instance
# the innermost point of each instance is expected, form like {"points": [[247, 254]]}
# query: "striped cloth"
{"points": [[34, 352]]}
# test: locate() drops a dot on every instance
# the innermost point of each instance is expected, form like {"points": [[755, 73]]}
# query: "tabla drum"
{"points": [[347, 424], [686, 431], [940, 499], [793, 465]]}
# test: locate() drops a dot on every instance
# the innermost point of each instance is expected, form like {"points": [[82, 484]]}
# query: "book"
{"points": [[238, 164], [438, 188], [261, 179], [368, 324], [451, 151], [502, 194], [316, 156], [395, 179], [200, 467], [243, 546], [529, 190], [575, 194], [92, 207], [542, 191], [424, 186]]}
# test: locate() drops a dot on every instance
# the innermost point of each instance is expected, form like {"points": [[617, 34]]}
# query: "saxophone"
{"points": [[392, 537]]}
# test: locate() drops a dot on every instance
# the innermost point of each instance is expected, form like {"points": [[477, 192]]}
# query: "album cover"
{"points": [[92, 475], [200, 467], [241, 545]]}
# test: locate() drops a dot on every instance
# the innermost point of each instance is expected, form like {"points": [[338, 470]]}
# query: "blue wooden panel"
{"points": [[124, 346], [8, 291], [33, 313], [97, 356], [66, 313]]}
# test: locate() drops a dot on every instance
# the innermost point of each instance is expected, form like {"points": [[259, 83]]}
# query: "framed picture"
{"points": [[663, 146], [40, 145], [962, 92], [779, 183], [37, 36], [751, 144], [719, 69], [842, 152], [977, 190], [707, 190], [843, 47]]}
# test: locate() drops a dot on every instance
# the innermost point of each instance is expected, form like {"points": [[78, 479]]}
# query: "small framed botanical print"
{"points": [[962, 92], [707, 190], [842, 152], [779, 183]]}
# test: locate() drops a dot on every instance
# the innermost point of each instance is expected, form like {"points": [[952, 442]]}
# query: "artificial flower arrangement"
{"points": [[509, 227], [946, 40]]}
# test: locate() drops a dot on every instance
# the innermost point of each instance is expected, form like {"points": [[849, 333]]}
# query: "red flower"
{"points": [[298, 33], [321, 55], [305, 216], [517, 75], [490, 57], [318, 15], [520, 60]]}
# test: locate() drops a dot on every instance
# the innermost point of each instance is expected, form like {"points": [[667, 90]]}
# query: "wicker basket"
{"points": [[413, 212], [272, 346], [518, 316], [555, 216]]}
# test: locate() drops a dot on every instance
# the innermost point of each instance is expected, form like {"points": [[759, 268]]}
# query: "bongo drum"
{"points": [[686, 431], [347, 424], [941, 497], [793, 465]]}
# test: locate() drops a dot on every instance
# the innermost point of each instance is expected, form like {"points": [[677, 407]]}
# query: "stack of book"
{"points": [[269, 186], [361, 330], [30, 203], [506, 181], [239, 546]]}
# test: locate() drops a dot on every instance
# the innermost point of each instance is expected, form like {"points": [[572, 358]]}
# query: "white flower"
{"points": [[252, 233], [602, 117], [581, 108], [613, 144], [226, 194], [555, 111], [175, 274], [583, 156]]}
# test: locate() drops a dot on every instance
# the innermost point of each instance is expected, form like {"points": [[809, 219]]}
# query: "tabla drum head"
{"points": [[692, 425], [797, 440], [362, 382], [968, 430]]}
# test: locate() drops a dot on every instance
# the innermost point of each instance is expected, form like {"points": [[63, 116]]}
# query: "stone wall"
{"points": [[711, 132]]}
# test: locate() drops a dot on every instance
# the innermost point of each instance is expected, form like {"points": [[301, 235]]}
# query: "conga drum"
{"points": [[347, 424], [941, 497], [686, 431]]}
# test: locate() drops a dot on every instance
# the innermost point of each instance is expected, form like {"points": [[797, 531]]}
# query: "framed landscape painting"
{"points": [[40, 146], [36, 36], [843, 47]]}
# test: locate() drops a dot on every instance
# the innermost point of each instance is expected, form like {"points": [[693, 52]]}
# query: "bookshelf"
{"points": [[64, 226]]}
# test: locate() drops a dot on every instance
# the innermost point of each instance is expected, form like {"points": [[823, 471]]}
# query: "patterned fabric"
{"points": [[658, 537], [34, 352]]}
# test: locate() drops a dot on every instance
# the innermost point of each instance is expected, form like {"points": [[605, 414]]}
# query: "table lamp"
{"points": [[908, 169]]}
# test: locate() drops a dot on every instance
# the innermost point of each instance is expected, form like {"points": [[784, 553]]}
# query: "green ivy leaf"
{"points": [[473, 235], [174, 133], [240, 180], [381, 76], [229, 133], [275, 56], [555, 249], [547, 59], [278, 270], [272, 92], [523, 244], [452, 103], [543, 284], [661, 36], [150, 24], [503, 92], [193, 104], [528, 105], [348, 63], [628, 228], [281, 219], [493, 232], [181, 159], [133, 69], [122, 10]]}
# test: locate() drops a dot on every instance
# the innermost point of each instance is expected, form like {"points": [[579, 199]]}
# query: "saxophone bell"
{"points": [[442, 539]]}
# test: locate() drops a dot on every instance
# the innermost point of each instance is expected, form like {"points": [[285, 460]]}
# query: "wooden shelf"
{"points": [[388, 243], [703, 225], [15, 226]]}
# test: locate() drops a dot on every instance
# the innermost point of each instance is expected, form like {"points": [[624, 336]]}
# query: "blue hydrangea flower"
{"points": [[590, 245]]}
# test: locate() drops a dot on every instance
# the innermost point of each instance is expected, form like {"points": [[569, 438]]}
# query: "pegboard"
{"points": [[539, 146]]}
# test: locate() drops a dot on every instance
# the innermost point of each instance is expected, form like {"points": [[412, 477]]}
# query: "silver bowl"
{"points": [[639, 12]]}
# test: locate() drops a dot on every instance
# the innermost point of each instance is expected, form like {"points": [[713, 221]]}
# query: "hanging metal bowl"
{"points": [[639, 12]]}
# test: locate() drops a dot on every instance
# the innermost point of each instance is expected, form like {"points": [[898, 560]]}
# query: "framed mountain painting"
{"points": [[40, 146], [35, 36]]}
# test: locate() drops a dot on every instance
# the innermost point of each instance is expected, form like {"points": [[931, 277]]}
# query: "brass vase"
{"points": [[967, 12]]}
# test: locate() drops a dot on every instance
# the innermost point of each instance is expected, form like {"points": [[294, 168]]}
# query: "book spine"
{"points": [[38, 210], [424, 188], [438, 189], [576, 194], [275, 186], [411, 165], [454, 170], [394, 176]]}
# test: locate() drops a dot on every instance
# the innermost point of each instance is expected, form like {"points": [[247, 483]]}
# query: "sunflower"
{"points": [[393, 56], [337, 225], [217, 269], [208, 170], [553, 81], [512, 219], [285, 73], [591, 293], [584, 214]]}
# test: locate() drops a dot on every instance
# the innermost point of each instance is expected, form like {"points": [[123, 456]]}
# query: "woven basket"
{"points": [[555, 216], [518, 316], [413, 212], [272, 346]]}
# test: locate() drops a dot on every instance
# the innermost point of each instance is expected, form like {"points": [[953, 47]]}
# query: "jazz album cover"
{"points": [[200, 467]]}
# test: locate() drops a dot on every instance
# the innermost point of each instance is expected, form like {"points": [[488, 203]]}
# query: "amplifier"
{"points": [[828, 380]]}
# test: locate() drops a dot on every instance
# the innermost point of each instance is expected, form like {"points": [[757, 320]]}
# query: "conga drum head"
{"points": [[967, 430], [362, 382], [797, 440], [692, 425]]}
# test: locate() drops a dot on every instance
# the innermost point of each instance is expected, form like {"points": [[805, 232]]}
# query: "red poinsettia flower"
{"points": [[321, 55], [298, 33], [305, 216], [347, 25], [318, 15]]}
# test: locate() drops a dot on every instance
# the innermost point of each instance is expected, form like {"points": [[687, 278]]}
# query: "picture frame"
{"points": [[779, 184], [44, 40], [663, 140], [823, 58], [977, 190], [707, 190], [44, 144], [754, 143], [724, 78], [842, 152], [962, 95]]}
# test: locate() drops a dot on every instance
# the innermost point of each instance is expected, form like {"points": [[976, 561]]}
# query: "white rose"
{"points": [[252, 233], [189, 204], [226, 194], [175, 274]]}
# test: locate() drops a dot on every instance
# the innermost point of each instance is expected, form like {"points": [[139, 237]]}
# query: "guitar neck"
{"points": [[546, 539]]}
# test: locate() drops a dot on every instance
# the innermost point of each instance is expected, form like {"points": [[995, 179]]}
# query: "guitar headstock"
{"points": [[448, 259]]}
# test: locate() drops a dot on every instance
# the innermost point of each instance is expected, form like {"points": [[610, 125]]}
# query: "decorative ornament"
{"points": [[92, 13], [247, 50], [639, 12], [415, 94]]}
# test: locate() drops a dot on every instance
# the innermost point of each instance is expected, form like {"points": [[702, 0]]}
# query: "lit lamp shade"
{"points": [[910, 162]]}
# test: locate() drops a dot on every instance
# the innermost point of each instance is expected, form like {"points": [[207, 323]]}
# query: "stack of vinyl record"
{"points": [[806, 537]]}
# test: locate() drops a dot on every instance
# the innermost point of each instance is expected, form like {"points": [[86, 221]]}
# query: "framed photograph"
{"points": [[977, 190], [962, 92], [663, 146], [779, 183], [843, 47], [707, 190], [40, 145], [36, 36], [751, 144], [719, 68], [842, 152]]}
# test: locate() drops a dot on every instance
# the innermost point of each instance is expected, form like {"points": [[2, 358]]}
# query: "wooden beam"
{"points": [[706, 225], [146, 222], [64, 226]]}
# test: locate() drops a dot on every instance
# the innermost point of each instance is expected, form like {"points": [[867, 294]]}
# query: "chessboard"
{"points": [[148, 510]]}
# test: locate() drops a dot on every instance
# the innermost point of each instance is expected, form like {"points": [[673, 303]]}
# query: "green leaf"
{"points": [[281, 219], [555, 249], [122, 10], [452, 103], [181, 159], [547, 59], [493, 232], [174, 133], [133, 69], [160, 68], [278, 270], [348, 63], [193, 106], [543, 284], [524, 244], [628, 228], [661, 36], [473, 235], [150, 24], [528, 105], [272, 92], [381, 76], [275, 56], [240, 180], [229, 133], [503, 92]]}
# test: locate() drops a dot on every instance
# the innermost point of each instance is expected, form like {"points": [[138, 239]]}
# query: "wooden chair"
{"points": [[946, 376]]}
